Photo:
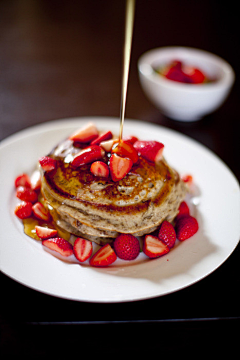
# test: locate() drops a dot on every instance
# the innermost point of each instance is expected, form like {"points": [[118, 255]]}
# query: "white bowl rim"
{"points": [[146, 60]]}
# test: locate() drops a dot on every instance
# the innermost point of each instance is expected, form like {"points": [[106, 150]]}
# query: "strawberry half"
{"points": [[186, 226], [26, 194], [153, 247], [82, 249], [182, 210], [47, 163], [23, 210], [126, 150], [88, 155], [22, 180], [167, 234], [130, 138], [99, 168], [44, 232], [150, 150], [103, 137], [119, 167], [103, 257], [107, 145], [126, 247], [59, 245], [41, 212], [85, 134]]}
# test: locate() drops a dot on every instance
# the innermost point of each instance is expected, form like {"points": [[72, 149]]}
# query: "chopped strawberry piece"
{"points": [[195, 75], [186, 226], [103, 137], [130, 138], [119, 167], [103, 257], [150, 150], [107, 145], [99, 168], [22, 180], [59, 245], [182, 210], [126, 150], [41, 212], [88, 155], [23, 210], [26, 194], [82, 249], [85, 134], [188, 179], [35, 180], [47, 163], [44, 232], [167, 234], [153, 247], [126, 247]]}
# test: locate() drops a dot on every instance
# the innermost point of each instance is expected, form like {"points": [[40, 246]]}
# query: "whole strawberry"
{"points": [[126, 247], [186, 226], [167, 234]]}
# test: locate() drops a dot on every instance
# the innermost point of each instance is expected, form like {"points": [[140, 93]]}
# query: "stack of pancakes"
{"points": [[99, 209]]}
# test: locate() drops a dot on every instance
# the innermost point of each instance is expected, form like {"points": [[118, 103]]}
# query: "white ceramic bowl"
{"points": [[180, 101]]}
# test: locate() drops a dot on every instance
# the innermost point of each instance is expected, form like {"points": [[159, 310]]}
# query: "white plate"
{"points": [[218, 213]]}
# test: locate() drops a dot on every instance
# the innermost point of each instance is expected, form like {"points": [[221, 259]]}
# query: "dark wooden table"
{"points": [[64, 59]]}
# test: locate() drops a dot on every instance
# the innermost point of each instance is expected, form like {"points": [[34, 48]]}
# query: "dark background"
{"points": [[64, 59]]}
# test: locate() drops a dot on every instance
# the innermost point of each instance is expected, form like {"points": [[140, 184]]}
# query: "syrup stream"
{"points": [[129, 20]]}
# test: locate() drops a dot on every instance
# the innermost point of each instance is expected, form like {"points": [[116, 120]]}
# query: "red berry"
{"points": [[186, 226], [26, 194], [167, 234], [103, 137], [182, 210], [103, 257], [119, 167], [99, 168], [59, 245], [88, 155], [85, 134], [41, 212], [23, 210], [126, 246], [153, 247], [126, 150], [150, 150], [82, 249], [22, 180], [47, 163], [44, 232]]}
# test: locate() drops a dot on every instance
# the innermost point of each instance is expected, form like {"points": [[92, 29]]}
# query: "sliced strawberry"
{"points": [[130, 138], [99, 168], [188, 179], [103, 137], [82, 249], [44, 232], [182, 210], [35, 180], [22, 180], [195, 76], [119, 167], [150, 150], [126, 247], [126, 150], [47, 163], [186, 226], [103, 257], [107, 145], [23, 210], [59, 245], [88, 155], [41, 212], [167, 234], [153, 247], [26, 194], [85, 134]]}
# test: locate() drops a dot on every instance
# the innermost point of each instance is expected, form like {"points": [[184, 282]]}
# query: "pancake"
{"points": [[99, 208]]}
